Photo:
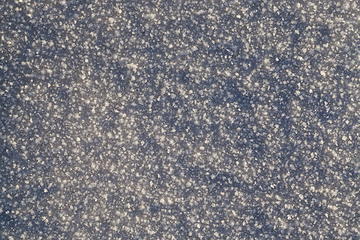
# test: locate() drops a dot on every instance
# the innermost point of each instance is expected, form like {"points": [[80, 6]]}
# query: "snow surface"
{"points": [[179, 119]]}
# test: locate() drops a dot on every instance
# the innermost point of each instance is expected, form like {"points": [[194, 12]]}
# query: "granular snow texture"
{"points": [[179, 119]]}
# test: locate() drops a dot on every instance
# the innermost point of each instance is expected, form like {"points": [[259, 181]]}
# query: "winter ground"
{"points": [[179, 119]]}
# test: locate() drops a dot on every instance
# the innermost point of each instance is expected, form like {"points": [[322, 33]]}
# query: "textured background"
{"points": [[179, 119]]}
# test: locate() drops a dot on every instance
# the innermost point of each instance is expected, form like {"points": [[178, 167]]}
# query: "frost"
{"points": [[179, 120]]}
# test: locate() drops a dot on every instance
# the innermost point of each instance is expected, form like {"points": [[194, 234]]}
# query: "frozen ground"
{"points": [[179, 119]]}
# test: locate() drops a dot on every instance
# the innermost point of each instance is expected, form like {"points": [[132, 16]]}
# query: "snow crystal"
{"points": [[179, 120]]}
